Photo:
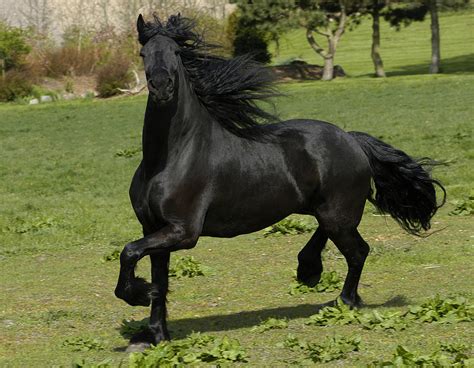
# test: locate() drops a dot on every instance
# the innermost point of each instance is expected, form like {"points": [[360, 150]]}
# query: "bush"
{"points": [[15, 85], [246, 38], [113, 75], [254, 43], [70, 60], [214, 31], [13, 46]]}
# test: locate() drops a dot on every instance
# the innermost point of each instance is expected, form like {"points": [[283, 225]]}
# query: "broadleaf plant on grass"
{"points": [[332, 348], [271, 324], [186, 266], [439, 310], [445, 356], [195, 349], [330, 281], [289, 226], [434, 310]]}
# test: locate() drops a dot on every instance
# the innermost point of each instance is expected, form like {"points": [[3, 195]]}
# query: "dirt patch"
{"points": [[301, 70]]}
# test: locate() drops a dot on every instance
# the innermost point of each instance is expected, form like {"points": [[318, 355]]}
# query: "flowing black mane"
{"points": [[228, 88]]}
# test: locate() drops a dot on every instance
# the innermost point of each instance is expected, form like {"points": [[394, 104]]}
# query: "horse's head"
{"points": [[161, 60]]}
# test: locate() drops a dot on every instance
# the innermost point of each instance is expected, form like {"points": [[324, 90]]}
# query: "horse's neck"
{"points": [[168, 128]]}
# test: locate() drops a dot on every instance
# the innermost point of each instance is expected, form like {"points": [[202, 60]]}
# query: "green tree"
{"points": [[320, 18], [13, 47], [405, 12]]}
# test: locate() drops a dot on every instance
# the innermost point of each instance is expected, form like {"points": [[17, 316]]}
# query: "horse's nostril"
{"points": [[150, 83]]}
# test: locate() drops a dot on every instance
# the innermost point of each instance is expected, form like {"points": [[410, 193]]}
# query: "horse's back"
{"points": [[334, 151]]}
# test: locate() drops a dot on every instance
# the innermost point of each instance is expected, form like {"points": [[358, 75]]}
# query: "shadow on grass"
{"points": [[457, 64], [396, 301], [181, 328]]}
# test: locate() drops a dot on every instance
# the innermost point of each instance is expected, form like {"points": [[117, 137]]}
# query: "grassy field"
{"points": [[65, 171], [404, 52], [65, 206]]}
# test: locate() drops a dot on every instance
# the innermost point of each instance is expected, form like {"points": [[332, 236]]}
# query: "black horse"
{"points": [[210, 168]]}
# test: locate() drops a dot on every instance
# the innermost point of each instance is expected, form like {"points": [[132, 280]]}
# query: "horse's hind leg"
{"points": [[339, 215], [310, 265], [355, 250]]}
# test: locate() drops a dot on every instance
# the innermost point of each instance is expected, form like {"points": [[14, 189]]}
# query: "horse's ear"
{"points": [[140, 25]]}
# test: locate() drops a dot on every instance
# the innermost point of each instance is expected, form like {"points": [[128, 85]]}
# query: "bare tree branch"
{"points": [[136, 89], [314, 45]]}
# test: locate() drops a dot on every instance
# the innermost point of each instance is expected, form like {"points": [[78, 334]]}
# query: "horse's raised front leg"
{"points": [[310, 265], [134, 290]]}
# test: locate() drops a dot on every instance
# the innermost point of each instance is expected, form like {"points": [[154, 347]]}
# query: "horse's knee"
{"points": [[129, 255]]}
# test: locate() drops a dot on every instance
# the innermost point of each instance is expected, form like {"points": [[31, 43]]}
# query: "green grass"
{"points": [[65, 206], [404, 52], [65, 172]]}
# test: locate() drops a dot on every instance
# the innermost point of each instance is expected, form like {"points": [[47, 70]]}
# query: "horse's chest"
{"points": [[144, 195]]}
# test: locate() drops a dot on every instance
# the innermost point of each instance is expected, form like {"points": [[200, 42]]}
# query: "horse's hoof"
{"points": [[137, 347], [137, 293], [144, 339], [307, 278], [352, 302]]}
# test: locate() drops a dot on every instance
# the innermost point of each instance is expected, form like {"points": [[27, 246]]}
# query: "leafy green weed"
{"points": [[333, 348], [83, 344], [271, 324], [131, 327], [376, 320], [464, 207], [36, 225], [128, 152], [112, 256], [186, 267], [434, 310], [197, 348], [446, 356], [338, 315], [289, 226], [330, 281], [448, 310]]}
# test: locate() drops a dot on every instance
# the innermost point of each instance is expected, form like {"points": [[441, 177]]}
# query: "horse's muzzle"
{"points": [[161, 93]]}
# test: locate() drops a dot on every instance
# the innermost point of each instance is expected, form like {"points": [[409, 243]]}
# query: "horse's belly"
{"points": [[229, 229], [249, 215]]}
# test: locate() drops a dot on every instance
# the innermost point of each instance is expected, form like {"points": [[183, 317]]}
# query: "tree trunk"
{"points": [[2, 68], [333, 37], [328, 70], [376, 58], [435, 38]]}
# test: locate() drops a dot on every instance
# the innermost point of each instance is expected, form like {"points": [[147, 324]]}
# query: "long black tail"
{"points": [[403, 188]]}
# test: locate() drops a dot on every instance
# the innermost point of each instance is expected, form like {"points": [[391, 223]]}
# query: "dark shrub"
{"points": [[246, 38], [113, 75], [254, 43], [16, 84]]}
